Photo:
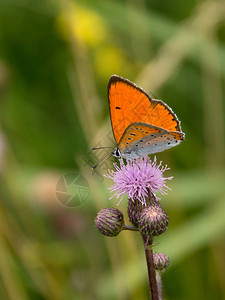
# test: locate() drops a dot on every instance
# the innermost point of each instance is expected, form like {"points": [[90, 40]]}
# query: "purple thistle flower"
{"points": [[137, 177]]}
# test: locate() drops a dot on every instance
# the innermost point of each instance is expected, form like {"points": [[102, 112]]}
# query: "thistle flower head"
{"points": [[138, 177], [133, 210], [109, 221], [153, 220], [161, 261]]}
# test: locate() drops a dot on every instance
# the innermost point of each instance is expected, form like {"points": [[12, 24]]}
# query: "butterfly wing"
{"points": [[140, 139], [129, 104]]}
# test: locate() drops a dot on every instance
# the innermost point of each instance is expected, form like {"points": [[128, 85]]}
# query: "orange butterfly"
{"points": [[141, 125]]}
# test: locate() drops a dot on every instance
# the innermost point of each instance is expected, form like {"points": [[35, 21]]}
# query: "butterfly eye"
{"points": [[116, 153]]}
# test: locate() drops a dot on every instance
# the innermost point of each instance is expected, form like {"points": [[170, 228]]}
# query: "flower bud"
{"points": [[109, 221], [161, 261], [153, 220], [133, 211]]}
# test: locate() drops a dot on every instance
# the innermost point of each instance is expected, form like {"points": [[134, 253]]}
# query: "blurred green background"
{"points": [[56, 58]]}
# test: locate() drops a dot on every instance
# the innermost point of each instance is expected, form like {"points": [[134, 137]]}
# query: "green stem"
{"points": [[159, 283], [150, 265], [130, 227]]}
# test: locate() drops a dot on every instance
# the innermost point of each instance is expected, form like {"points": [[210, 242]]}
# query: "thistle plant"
{"points": [[142, 181]]}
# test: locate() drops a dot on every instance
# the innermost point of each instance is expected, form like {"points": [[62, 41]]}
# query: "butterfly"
{"points": [[141, 125]]}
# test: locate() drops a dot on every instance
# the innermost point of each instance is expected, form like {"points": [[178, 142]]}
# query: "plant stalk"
{"points": [[159, 283], [129, 227], [150, 265]]}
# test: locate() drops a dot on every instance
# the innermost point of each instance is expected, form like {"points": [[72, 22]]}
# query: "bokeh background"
{"points": [[56, 58]]}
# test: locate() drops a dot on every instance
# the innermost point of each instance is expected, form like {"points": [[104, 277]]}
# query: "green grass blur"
{"points": [[56, 58]]}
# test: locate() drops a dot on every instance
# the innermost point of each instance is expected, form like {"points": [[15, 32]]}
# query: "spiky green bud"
{"points": [[161, 261], [153, 220], [134, 209], [109, 221]]}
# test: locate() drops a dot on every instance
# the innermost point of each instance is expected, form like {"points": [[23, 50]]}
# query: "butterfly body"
{"points": [[141, 125], [141, 139]]}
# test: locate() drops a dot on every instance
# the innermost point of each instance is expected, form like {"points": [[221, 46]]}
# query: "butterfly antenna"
{"points": [[101, 160], [98, 148]]}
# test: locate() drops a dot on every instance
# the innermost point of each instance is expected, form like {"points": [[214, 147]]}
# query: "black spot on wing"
{"points": [[117, 107]]}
